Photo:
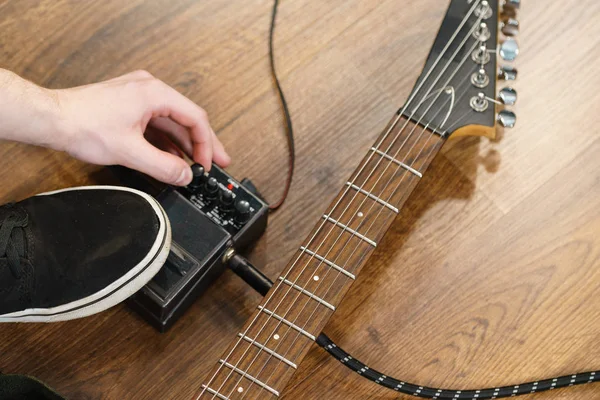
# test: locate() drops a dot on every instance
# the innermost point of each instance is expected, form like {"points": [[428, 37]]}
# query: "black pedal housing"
{"points": [[202, 228]]}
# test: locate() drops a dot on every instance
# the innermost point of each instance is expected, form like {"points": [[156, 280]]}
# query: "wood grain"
{"points": [[489, 276]]}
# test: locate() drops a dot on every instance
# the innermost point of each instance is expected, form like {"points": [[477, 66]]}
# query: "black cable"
{"points": [[249, 274], [259, 282], [286, 112], [451, 394]]}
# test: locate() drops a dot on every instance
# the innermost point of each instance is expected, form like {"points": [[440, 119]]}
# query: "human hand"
{"points": [[106, 123]]}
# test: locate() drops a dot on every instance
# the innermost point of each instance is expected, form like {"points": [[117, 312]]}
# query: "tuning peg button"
{"points": [[514, 4], [507, 119], [509, 50], [509, 9], [508, 96], [507, 73], [510, 27]]}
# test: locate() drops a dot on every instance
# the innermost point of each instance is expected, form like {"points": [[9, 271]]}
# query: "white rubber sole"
{"points": [[117, 291]]}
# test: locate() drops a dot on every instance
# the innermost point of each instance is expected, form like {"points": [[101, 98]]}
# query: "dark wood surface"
{"points": [[489, 276]]}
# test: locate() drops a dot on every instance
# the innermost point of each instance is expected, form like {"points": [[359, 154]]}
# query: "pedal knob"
{"points": [[242, 211], [226, 199], [212, 188], [198, 176]]}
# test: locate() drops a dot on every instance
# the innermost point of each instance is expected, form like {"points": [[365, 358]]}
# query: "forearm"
{"points": [[29, 113]]}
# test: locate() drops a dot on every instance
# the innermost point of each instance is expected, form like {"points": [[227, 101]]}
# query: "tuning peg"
{"points": [[481, 55], [507, 119], [509, 50], [509, 8], [484, 11], [507, 73], [508, 96], [510, 27], [482, 33], [514, 4], [480, 78]]}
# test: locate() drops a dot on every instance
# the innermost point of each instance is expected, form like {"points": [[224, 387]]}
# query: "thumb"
{"points": [[163, 166]]}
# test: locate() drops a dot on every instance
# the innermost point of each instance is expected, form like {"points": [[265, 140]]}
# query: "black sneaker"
{"points": [[75, 252]]}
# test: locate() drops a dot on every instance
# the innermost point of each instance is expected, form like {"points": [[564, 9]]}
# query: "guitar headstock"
{"points": [[457, 92]]}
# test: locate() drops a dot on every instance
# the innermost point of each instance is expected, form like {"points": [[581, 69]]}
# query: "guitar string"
{"points": [[253, 341], [374, 219], [386, 186], [299, 276], [244, 373], [310, 241], [402, 146]]}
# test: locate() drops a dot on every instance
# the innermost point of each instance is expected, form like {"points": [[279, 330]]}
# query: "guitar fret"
{"points": [[334, 252], [267, 350], [250, 377], [309, 294], [324, 260], [214, 393], [373, 197], [400, 163], [288, 323], [351, 231]]}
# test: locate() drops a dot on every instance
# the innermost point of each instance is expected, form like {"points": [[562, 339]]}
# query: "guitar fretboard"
{"points": [[268, 349]]}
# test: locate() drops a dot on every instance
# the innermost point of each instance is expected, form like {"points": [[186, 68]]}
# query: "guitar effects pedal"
{"points": [[211, 215]]}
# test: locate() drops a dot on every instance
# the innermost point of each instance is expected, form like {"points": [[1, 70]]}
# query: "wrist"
{"points": [[31, 114], [54, 111]]}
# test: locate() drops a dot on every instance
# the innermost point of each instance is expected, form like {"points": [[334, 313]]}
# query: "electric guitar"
{"points": [[455, 95]]}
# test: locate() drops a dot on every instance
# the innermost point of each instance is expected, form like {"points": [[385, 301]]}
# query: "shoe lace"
{"points": [[12, 237]]}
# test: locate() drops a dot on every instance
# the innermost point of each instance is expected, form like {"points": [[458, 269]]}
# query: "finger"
{"points": [[167, 102], [177, 133], [219, 154], [165, 167], [163, 142]]}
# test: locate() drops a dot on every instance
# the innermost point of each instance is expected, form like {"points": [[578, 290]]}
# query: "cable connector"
{"points": [[248, 272]]}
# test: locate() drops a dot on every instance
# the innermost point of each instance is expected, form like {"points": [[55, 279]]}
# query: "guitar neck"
{"points": [[268, 349]]}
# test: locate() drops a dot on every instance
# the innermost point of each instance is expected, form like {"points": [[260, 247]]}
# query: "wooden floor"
{"points": [[490, 275]]}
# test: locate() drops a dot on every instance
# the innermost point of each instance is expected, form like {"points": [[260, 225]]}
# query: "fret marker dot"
{"points": [[276, 337], [316, 277], [240, 389], [360, 214]]}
